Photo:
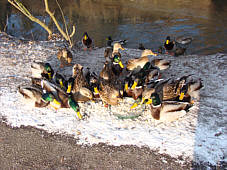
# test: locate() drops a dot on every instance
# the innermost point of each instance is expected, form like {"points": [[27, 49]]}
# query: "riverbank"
{"points": [[199, 136]]}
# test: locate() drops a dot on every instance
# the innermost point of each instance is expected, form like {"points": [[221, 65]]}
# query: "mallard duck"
{"points": [[111, 42], [42, 70], [167, 111], [190, 90], [183, 40], [117, 66], [86, 41], [74, 105], [138, 63], [108, 93], [129, 90], [58, 95], [141, 46], [116, 48], [60, 80], [144, 75], [65, 57], [169, 44], [32, 95], [162, 64], [107, 72], [79, 79], [179, 51]]}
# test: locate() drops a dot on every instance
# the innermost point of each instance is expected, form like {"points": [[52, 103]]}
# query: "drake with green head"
{"points": [[75, 106], [167, 111], [117, 66], [42, 70], [32, 95], [60, 80], [168, 44], [49, 98], [86, 41]]}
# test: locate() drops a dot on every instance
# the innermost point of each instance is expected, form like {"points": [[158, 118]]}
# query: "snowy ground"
{"points": [[200, 135]]}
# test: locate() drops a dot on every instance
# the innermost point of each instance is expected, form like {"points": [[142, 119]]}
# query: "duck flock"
{"points": [[140, 78]]}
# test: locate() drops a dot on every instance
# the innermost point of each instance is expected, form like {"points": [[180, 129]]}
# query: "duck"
{"points": [[32, 95], [167, 111], [65, 57], [190, 90], [79, 79], [145, 75], [107, 72], [183, 40], [162, 64], [110, 41], [179, 51], [116, 48], [138, 63], [52, 92], [170, 89], [109, 94], [129, 91], [86, 41], [141, 46], [60, 80], [169, 45], [42, 70], [75, 106]]}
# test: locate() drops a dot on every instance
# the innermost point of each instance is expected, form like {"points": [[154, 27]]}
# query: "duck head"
{"points": [[167, 40], [117, 59], [70, 83], [48, 97], [74, 105], [85, 36], [77, 68]]}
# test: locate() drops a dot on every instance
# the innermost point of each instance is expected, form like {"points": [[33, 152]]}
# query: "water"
{"points": [[139, 21]]}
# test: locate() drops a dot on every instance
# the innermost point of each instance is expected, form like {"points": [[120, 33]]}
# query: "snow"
{"points": [[199, 136]]}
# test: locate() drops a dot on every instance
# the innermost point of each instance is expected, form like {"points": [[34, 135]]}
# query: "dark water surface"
{"points": [[139, 21]]}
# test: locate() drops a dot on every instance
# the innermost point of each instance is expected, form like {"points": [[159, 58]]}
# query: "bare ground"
{"points": [[27, 147]]}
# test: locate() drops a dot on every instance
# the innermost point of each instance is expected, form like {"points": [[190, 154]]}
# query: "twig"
{"points": [[22, 9]]}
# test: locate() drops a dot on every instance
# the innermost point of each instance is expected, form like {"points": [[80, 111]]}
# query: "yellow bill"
{"points": [[167, 41], [126, 86], [142, 100], [149, 101], [134, 106], [49, 75], [120, 64], [85, 37], [61, 83], [96, 90], [69, 88], [134, 85], [79, 115], [55, 104], [122, 48], [181, 96]]}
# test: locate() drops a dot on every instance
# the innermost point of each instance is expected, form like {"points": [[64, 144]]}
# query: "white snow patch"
{"points": [[200, 135]]}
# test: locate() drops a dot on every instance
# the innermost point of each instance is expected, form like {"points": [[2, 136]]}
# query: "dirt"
{"points": [[27, 147]]}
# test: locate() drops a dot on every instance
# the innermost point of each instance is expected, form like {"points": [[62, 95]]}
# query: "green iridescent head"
{"points": [[47, 67], [155, 99], [116, 59], [147, 66], [73, 104], [47, 97]]}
